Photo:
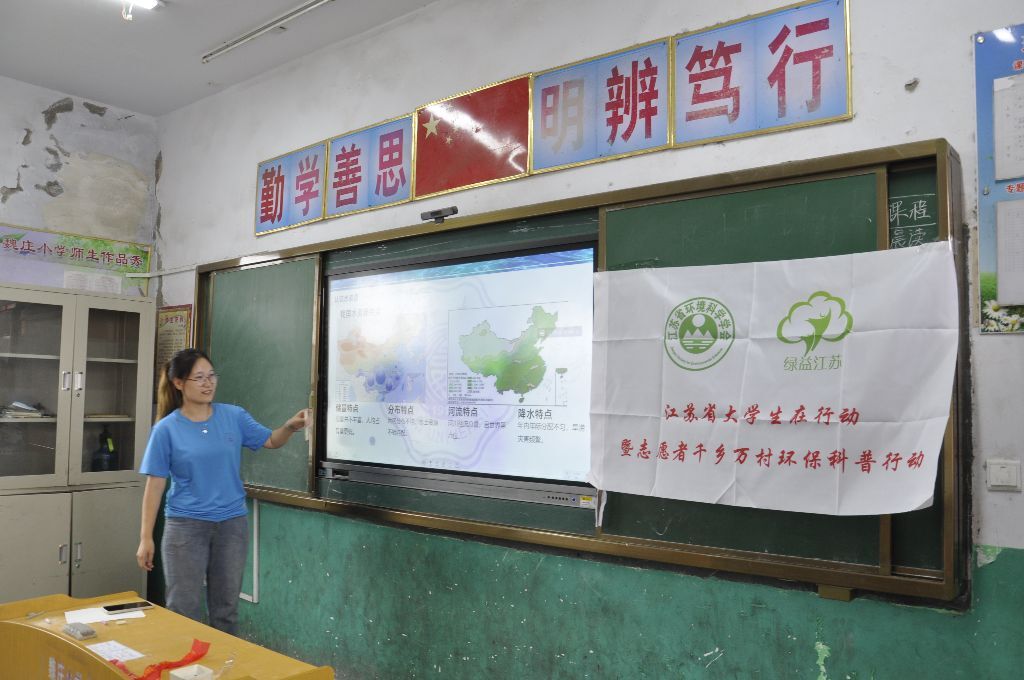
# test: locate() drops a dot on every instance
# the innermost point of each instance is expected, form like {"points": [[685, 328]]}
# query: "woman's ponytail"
{"points": [[168, 398]]}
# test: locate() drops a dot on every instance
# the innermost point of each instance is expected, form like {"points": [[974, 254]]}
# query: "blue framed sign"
{"points": [[611, 106], [370, 167], [780, 70], [289, 189]]}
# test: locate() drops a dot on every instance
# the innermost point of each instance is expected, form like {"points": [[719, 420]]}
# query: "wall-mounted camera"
{"points": [[439, 214]]}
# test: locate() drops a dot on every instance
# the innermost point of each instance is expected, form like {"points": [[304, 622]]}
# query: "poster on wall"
{"points": [[779, 70], [611, 106], [819, 385], [289, 189], [59, 260], [370, 168], [999, 86], [173, 333]]}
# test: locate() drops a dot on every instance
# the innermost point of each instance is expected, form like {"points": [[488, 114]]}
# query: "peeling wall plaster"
{"points": [[102, 195], [92, 172]]}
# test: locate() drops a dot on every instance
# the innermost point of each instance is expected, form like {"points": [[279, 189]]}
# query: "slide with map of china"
{"points": [[480, 367]]}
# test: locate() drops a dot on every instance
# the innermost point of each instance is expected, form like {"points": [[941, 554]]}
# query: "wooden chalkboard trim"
{"points": [[921, 583]]}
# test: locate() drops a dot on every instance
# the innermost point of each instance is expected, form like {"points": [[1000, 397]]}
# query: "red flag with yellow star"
{"points": [[473, 138]]}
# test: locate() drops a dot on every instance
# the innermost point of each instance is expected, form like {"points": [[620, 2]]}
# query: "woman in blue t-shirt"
{"points": [[198, 445]]}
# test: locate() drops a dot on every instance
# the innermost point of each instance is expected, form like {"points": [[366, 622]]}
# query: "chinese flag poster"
{"points": [[473, 138]]}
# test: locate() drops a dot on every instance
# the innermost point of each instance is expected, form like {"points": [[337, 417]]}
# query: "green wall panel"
{"points": [[377, 601]]}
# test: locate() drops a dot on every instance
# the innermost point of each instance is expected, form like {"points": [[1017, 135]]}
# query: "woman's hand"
{"points": [[299, 421], [281, 435], [144, 555]]}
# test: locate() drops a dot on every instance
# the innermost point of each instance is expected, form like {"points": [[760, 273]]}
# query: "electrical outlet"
{"points": [[1002, 474]]}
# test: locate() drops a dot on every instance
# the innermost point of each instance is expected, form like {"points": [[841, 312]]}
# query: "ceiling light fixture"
{"points": [[265, 28], [127, 7]]}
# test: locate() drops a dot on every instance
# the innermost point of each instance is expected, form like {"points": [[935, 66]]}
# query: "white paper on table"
{"points": [[112, 649], [98, 615]]}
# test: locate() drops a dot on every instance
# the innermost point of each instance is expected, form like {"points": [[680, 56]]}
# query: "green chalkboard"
{"points": [[913, 219], [805, 219], [260, 327], [913, 207], [818, 218]]}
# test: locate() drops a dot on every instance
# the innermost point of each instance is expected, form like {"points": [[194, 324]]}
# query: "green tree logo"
{"points": [[822, 317]]}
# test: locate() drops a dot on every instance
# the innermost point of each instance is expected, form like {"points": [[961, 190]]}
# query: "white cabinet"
{"points": [[104, 538], [36, 534], [81, 542], [76, 385]]}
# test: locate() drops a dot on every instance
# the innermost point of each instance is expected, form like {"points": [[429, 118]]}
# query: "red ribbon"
{"points": [[198, 651]]}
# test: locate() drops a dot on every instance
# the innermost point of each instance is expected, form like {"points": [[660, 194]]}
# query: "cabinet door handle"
{"points": [[61, 556], [78, 554], [65, 380], [79, 380]]}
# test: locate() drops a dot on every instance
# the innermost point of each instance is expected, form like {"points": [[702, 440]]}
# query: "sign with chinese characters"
{"points": [[999, 88], [913, 220], [370, 167], [173, 333], [473, 139], [289, 189], [46, 258], [779, 70], [611, 106], [819, 385], [782, 69]]}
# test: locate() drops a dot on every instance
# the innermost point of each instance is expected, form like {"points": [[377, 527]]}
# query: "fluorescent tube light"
{"points": [[265, 28]]}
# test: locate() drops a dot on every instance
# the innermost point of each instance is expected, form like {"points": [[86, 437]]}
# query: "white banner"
{"points": [[820, 385]]}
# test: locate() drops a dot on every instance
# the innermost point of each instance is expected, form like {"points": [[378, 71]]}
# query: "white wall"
{"points": [[211, 148], [90, 172]]}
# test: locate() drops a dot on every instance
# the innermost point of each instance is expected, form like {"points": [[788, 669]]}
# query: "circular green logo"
{"points": [[698, 333]]}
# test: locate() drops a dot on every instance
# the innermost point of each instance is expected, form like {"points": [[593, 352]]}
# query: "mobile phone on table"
{"points": [[126, 607]]}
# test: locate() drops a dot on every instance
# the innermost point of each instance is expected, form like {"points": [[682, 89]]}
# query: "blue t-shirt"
{"points": [[203, 461]]}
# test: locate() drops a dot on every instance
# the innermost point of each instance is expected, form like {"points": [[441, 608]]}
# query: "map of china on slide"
{"points": [[516, 365], [479, 367], [391, 371]]}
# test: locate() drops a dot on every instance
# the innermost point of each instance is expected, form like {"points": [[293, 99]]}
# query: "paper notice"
{"points": [[1008, 126], [1010, 252]]}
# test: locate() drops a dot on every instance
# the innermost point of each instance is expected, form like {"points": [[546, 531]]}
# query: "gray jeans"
{"points": [[194, 550]]}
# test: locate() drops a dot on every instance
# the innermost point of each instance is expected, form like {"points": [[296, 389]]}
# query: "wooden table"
{"points": [[32, 644]]}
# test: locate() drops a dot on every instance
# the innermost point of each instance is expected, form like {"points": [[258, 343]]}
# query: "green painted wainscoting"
{"points": [[378, 601]]}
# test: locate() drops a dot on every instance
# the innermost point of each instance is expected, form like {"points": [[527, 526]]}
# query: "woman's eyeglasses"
{"points": [[200, 379]]}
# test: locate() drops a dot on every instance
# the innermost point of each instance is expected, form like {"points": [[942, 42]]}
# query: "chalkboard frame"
{"points": [[833, 579]]}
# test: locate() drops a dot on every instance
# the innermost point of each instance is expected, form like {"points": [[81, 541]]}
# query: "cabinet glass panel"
{"points": [[108, 436], [30, 382]]}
